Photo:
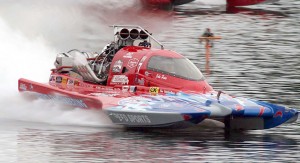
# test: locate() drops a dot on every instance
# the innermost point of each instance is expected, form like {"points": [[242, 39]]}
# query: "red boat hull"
{"points": [[81, 94], [45, 91]]}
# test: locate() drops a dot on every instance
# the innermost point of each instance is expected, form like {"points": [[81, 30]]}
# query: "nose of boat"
{"points": [[281, 115], [293, 118]]}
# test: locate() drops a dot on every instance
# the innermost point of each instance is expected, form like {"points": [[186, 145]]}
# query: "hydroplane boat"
{"points": [[139, 86]]}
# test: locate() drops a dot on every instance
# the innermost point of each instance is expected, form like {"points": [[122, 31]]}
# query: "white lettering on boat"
{"points": [[132, 62], [133, 118], [120, 79], [64, 100]]}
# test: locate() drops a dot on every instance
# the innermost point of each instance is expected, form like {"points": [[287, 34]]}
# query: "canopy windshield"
{"points": [[177, 67]]}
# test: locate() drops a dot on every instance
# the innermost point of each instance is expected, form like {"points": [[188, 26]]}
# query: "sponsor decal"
{"points": [[141, 81], [76, 83], [129, 88], [133, 118], [52, 78], [70, 82], [154, 90], [63, 100], [85, 85], [58, 79], [117, 66], [132, 89], [120, 79], [161, 76], [147, 73], [125, 88], [64, 81], [23, 87], [132, 62], [128, 55]]}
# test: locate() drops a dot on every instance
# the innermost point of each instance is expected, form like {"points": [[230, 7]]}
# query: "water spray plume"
{"points": [[33, 59]]}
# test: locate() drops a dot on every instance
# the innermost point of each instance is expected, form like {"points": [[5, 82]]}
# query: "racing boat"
{"points": [[137, 85]]}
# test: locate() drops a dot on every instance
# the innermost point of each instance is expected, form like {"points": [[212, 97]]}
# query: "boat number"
{"points": [[131, 118]]}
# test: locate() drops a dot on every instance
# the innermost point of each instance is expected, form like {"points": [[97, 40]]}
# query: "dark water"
{"points": [[257, 57]]}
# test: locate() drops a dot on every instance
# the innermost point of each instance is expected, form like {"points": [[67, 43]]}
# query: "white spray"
{"points": [[33, 59]]}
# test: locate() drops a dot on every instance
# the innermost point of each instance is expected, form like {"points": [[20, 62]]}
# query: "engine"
{"points": [[127, 36], [133, 34], [95, 67]]}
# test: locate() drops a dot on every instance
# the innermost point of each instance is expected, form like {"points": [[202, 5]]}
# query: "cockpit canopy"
{"points": [[177, 67]]}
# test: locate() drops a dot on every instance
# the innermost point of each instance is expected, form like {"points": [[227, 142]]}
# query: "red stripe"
{"points": [[261, 111]]}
